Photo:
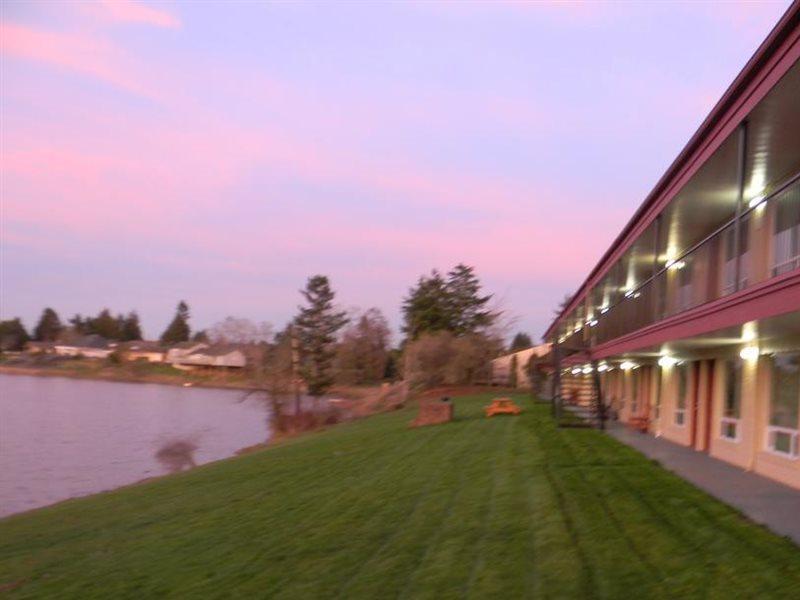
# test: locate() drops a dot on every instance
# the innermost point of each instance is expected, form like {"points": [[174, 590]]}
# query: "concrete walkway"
{"points": [[772, 504]]}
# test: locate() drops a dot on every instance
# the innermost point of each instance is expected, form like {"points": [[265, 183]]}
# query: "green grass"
{"points": [[507, 507]]}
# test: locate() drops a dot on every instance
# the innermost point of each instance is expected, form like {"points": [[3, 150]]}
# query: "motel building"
{"points": [[689, 324]]}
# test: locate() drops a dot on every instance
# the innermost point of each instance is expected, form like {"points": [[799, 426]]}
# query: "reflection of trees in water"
{"points": [[177, 455]]}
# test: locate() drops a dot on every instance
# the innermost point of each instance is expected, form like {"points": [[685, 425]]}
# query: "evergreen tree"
{"points": [[316, 328], [178, 330], [521, 341], [467, 306], [200, 337], [131, 330], [426, 308], [79, 325], [105, 325], [13, 335], [455, 304], [49, 326]]}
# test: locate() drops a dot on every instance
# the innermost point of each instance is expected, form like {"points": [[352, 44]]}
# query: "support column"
{"points": [[556, 395], [740, 177], [600, 405]]}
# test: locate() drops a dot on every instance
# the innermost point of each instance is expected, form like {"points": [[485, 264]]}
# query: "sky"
{"points": [[222, 153]]}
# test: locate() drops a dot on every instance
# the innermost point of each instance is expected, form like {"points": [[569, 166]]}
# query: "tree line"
{"points": [[450, 334]]}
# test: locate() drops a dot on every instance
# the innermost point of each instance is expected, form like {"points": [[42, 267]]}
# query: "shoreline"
{"points": [[122, 378]]}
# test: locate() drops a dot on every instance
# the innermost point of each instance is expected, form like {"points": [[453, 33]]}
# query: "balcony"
{"points": [[769, 246]]}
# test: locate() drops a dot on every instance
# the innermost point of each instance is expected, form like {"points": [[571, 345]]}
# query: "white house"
{"points": [[88, 346], [196, 355]]}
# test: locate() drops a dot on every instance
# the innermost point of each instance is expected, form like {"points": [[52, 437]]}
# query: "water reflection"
{"points": [[177, 455], [61, 438]]}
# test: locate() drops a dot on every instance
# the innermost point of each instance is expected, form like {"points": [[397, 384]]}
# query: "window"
{"points": [[731, 409], [682, 372], [786, 243], [784, 410]]}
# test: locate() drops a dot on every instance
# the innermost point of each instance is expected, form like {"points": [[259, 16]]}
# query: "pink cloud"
{"points": [[131, 11], [76, 52]]}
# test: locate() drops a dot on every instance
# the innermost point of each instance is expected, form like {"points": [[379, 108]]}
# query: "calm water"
{"points": [[61, 438]]}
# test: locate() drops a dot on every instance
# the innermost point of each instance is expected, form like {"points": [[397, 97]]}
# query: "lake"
{"points": [[61, 438]]}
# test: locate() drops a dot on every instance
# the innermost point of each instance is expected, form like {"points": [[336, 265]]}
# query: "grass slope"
{"points": [[494, 508]]}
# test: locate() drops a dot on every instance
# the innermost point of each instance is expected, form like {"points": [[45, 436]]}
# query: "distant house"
{"points": [[179, 352], [501, 366], [192, 355], [87, 346], [40, 347], [143, 350]]}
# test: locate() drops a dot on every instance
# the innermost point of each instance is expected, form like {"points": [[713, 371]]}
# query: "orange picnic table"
{"points": [[502, 406]]}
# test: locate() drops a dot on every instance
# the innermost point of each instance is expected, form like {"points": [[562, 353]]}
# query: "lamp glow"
{"points": [[602, 367], [749, 353], [667, 361], [592, 323], [676, 265], [604, 310], [576, 370], [756, 200], [586, 370], [627, 365]]}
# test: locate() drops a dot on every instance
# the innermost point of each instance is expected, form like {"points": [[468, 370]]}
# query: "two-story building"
{"points": [[691, 319]]}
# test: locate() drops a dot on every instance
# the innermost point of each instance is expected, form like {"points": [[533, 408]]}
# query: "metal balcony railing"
{"points": [[704, 273]]}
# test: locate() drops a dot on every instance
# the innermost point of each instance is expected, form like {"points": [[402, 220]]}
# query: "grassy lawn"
{"points": [[494, 508]]}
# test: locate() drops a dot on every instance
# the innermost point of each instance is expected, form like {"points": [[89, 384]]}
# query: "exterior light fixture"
{"points": [[592, 323], [586, 370], [575, 370], [628, 365], [604, 310], [756, 200], [628, 293], [602, 367], [749, 353], [676, 265], [667, 361]]}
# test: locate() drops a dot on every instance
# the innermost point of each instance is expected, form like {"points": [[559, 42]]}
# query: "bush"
{"points": [[442, 358]]}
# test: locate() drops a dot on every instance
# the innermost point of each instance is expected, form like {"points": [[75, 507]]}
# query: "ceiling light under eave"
{"points": [[667, 361], [749, 353], [628, 365], [756, 200], [676, 265]]}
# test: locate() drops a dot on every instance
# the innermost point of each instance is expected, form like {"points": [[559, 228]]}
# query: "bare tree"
{"points": [[363, 351], [237, 330]]}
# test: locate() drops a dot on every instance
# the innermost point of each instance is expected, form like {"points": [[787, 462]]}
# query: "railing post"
{"points": [[556, 378], [740, 176], [600, 406]]}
